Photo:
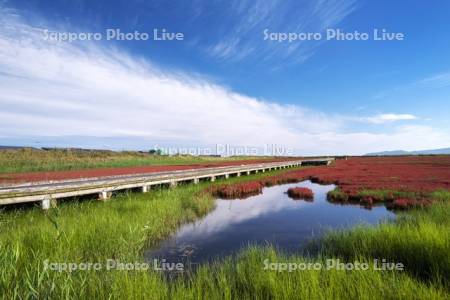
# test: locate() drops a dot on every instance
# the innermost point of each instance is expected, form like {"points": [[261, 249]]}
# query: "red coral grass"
{"points": [[405, 203], [395, 178], [238, 191], [300, 193], [411, 177]]}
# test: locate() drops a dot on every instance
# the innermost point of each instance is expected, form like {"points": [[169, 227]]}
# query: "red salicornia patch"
{"points": [[300, 193], [405, 203], [398, 182], [418, 174], [239, 190]]}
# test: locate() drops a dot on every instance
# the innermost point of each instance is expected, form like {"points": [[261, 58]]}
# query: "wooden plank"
{"points": [[42, 191]]}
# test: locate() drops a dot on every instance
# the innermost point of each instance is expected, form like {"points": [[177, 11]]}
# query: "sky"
{"points": [[226, 84]]}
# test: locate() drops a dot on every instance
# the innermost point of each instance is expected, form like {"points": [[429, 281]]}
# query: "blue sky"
{"points": [[223, 83]]}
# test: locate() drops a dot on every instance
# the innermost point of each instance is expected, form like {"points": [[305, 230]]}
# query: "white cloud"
{"points": [[243, 37], [387, 118], [411, 137], [62, 89]]}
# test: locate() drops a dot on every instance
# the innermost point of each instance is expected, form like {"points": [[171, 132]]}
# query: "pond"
{"points": [[269, 218]]}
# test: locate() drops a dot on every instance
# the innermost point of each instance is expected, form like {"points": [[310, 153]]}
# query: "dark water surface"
{"points": [[271, 217]]}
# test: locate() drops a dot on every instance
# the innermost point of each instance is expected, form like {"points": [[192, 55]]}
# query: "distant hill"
{"points": [[420, 152], [15, 147]]}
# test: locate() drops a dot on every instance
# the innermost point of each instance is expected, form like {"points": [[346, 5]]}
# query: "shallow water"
{"points": [[271, 217]]}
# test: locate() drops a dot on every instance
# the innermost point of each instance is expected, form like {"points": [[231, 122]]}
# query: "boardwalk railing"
{"points": [[48, 192]]}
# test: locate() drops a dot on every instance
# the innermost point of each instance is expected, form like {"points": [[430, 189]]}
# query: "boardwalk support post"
{"points": [[46, 193], [48, 203], [103, 196]]}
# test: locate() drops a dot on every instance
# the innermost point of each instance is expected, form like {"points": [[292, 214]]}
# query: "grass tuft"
{"points": [[122, 228]]}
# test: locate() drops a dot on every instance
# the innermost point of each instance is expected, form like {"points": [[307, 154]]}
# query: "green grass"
{"points": [[123, 227], [247, 279], [29, 160], [419, 239], [88, 232], [338, 195], [384, 195]]}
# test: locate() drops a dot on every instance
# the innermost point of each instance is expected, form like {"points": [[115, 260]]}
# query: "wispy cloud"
{"points": [[434, 81], [62, 89], [244, 35]]}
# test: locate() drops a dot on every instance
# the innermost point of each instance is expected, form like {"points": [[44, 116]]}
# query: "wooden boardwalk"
{"points": [[48, 192]]}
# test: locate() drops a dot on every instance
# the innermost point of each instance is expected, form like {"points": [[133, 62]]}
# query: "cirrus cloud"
{"points": [[69, 89]]}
